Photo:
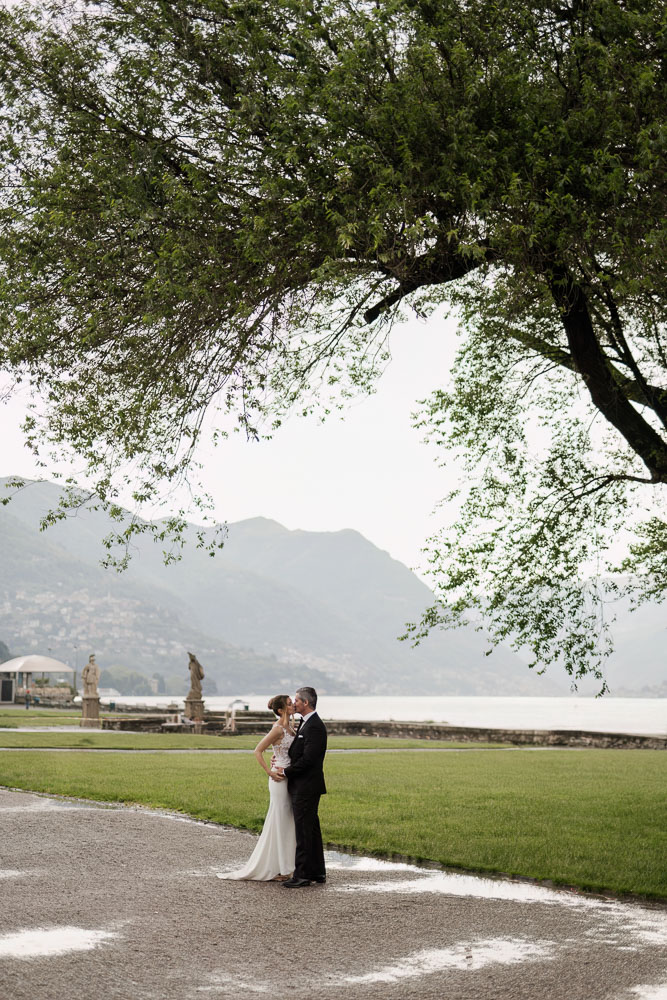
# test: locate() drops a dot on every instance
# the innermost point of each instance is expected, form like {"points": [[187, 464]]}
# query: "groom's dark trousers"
{"points": [[305, 777]]}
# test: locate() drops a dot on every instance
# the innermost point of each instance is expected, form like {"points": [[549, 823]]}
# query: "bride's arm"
{"points": [[273, 737]]}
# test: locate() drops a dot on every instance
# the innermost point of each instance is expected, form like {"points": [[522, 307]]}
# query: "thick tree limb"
{"points": [[594, 368], [442, 264], [427, 274], [630, 389]]}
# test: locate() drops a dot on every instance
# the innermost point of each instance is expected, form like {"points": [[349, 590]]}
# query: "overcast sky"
{"points": [[369, 471]]}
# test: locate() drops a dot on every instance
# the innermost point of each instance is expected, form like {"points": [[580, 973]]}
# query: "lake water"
{"points": [[615, 715]]}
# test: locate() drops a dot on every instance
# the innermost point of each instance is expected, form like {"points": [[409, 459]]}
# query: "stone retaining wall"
{"points": [[141, 724], [468, 734], [417, 731]]}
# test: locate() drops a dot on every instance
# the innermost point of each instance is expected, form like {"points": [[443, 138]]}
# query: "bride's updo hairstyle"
{"points": [[278, 703]]}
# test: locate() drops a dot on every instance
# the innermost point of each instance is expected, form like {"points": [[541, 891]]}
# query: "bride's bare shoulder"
{"points": [[274, 735]]}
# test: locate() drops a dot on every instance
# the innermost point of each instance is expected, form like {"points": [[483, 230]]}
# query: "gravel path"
{"points": [[113, 903]]}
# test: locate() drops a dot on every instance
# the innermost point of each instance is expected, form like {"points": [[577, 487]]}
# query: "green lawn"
{"points": [[594, 818], [14, 717], [111, 740]]}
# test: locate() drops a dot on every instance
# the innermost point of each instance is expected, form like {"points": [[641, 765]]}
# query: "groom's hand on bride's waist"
{"points": [[277, 774]]}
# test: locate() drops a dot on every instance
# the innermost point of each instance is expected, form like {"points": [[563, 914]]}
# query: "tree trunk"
{"points": [[605, 392]]}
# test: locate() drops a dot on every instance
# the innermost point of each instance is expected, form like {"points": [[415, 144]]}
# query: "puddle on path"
{"points": [[466, 958], [423, 880], [46, 805], [49, 942], [463, 957], [222, 981], [625, 926], [354, 862], [450, 884], [649, 992], [646, 924]]}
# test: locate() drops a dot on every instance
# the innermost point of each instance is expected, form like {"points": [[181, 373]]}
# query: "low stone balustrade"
{"points": [[258, 723], [138, 724], [517, 737]]}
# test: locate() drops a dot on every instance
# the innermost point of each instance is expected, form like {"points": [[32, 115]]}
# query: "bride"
{"points": [[273, 857]]}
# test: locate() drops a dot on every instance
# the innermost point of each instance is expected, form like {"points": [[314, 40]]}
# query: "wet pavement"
{"points": [[121, 903]]}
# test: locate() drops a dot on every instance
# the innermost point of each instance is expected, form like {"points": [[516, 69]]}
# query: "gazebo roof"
{"points": [[35, 665]]}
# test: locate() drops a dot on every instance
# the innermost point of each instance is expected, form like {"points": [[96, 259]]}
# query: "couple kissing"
{"points": [[289, 849]]}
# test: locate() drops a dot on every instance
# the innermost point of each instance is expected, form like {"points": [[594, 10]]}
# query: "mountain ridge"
{"points": [[330, 602]]}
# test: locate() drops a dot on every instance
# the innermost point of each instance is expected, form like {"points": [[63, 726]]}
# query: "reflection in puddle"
{"points": [[620, 925], [223, 982], [628, 925], [47, 942], [471, 886], [650, 992], [351, 862], [648, 927], [501, 951], [465, 957]]}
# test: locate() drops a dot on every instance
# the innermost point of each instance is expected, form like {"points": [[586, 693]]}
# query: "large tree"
{"points": [[227, 204]]}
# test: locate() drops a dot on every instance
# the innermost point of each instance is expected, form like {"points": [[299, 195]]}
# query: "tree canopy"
{"points": [[228, 204]]}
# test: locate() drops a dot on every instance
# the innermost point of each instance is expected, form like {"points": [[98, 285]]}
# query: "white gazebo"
{"points": [[18, 673]]}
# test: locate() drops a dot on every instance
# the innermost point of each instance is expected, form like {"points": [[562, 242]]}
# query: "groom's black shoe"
{"points": [[320, 879], [296, 883]]}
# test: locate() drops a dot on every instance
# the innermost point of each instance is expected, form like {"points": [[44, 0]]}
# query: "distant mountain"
{"points": [[273, 606], [53, 601]]}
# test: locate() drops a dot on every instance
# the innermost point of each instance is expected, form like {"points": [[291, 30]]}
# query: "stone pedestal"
{"points": [[194, 709], [90, 716]]}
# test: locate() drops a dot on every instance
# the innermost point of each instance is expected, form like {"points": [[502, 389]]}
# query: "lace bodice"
{"points": [[281, 749]]}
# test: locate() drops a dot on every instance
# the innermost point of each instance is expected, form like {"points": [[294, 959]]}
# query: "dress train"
{"points": [[275, 849]]}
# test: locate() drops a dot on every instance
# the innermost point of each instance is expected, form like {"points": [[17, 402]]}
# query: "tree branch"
{"points": [[438, 266], [595, 370], [631, 389]]}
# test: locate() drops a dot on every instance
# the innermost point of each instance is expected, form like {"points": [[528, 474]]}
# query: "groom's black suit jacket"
{"points": [[305, 774]]}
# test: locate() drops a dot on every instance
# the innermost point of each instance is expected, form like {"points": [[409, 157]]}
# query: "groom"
{"points": [[305, 785]]}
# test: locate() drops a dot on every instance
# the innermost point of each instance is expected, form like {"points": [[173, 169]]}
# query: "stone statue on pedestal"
{"points": [[196, 676], [194, 704], [90, 675]]}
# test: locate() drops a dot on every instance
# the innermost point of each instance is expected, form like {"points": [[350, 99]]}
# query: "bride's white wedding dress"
{"points": [[275, 849]]}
